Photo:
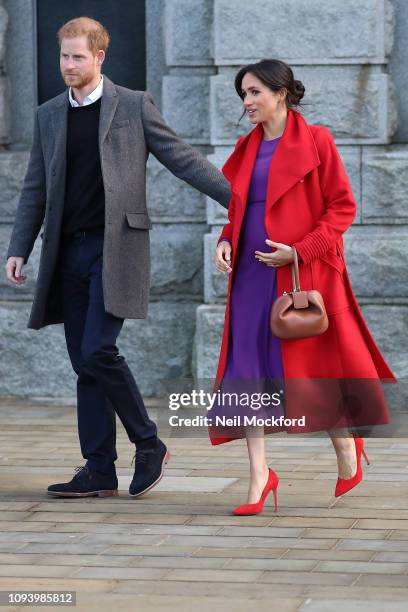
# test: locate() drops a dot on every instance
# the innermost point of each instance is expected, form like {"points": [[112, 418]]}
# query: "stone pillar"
{"points": [[4, 82], [342, 57]]}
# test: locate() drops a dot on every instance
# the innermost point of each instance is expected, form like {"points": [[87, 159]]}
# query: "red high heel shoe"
{"points": [[345, 484], [271, 485]]}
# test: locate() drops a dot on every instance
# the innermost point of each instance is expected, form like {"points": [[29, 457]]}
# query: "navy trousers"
{"points": [[105, 384]]}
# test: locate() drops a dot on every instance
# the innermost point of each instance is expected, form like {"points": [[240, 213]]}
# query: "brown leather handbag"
{"points": [[298, 314]]}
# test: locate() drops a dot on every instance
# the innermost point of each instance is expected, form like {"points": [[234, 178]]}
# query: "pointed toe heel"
{"points": [[346, 484], [271, 485]]}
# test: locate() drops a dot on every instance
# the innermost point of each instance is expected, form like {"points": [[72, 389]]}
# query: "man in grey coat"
{"points": [[86, 182]]}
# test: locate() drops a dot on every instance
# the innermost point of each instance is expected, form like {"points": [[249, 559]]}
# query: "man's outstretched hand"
{"points": [[13, 270]]}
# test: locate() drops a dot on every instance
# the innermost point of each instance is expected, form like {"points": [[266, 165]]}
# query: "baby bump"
{"points": [[253, 233]]}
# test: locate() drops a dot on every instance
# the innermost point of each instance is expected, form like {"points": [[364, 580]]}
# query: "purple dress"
{"points": [[254, 360]]}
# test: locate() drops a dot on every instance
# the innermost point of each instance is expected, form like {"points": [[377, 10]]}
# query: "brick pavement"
{"points": [[179, 548]]}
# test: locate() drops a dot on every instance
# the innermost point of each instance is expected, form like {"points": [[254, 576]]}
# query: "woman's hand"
{"points": [[223, 257], [281, 257]]}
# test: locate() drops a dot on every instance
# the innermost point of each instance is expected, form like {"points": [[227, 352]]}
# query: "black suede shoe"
{"points": [[86, 483], [149, 466]]}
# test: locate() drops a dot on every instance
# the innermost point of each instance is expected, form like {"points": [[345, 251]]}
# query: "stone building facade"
{"points": [[351, 58]]}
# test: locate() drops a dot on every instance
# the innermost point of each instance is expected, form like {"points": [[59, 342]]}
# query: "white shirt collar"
{"points": [[90, 98]]}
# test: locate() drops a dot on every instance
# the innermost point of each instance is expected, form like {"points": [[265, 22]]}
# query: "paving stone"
{"points": [[120, 573], [212, 588], [362, 567], [358, 534], [287, 532], [308, 578], [394, 557], [381, 524], [184, 483], [244, 553], [155, 551], [382, 580], [260, 542], [31, 571], [18, 526], [213, 575], [331, 555], [378, 545], [352, 605], [272, 564]]}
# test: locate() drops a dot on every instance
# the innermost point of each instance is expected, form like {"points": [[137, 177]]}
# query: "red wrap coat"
{"points": [[309, 205]]}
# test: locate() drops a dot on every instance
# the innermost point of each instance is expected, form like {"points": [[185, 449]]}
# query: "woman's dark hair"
{"points": [[276, 75]]}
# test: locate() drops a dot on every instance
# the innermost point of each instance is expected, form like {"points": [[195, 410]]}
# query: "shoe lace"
{"points": [[80, 470], [140, 457]]}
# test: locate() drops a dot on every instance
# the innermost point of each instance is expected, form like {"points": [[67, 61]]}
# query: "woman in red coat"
{"points": [[290, 191]]}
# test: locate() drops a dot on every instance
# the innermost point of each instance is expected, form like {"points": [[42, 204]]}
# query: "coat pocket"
{"points": [[334, 260], [139, 220], [119, 124]]}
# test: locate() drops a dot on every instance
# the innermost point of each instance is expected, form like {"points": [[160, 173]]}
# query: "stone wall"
{"points": [[351, 61]]}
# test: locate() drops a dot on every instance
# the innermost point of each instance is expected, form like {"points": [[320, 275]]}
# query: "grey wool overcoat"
{"points": [[130, 128]]}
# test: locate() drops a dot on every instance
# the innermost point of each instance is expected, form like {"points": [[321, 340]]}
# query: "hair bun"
{"points": [[298, 90]]}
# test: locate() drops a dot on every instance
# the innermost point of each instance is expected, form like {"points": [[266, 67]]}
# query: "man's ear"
{"points": [[100, 57]]}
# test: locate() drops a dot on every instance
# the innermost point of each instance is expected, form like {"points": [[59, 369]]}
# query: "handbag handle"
{"points": [[295, 272]]}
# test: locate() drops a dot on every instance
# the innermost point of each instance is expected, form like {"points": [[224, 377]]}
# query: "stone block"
{"points": [[4, 19], [5, 117], [216, 214], [377, 261], [209, 326], [188, 32], [385, 184], [357, 103], [388, 324], [13, 166], [351, 157], [312, 32], [177, 261], [21, 68], [36, 364], [215, 283], [25, 291], [186, 101], [398, 67], [155, 53], [156, 349], [171, 200], [160, 347]]}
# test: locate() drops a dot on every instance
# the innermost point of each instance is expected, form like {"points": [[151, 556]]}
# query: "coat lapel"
{"points": [[239, 166], [59, 119], [109, 103], [295, 156]]}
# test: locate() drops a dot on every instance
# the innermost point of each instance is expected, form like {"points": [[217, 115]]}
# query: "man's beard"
{"points": [[81, 80]]}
